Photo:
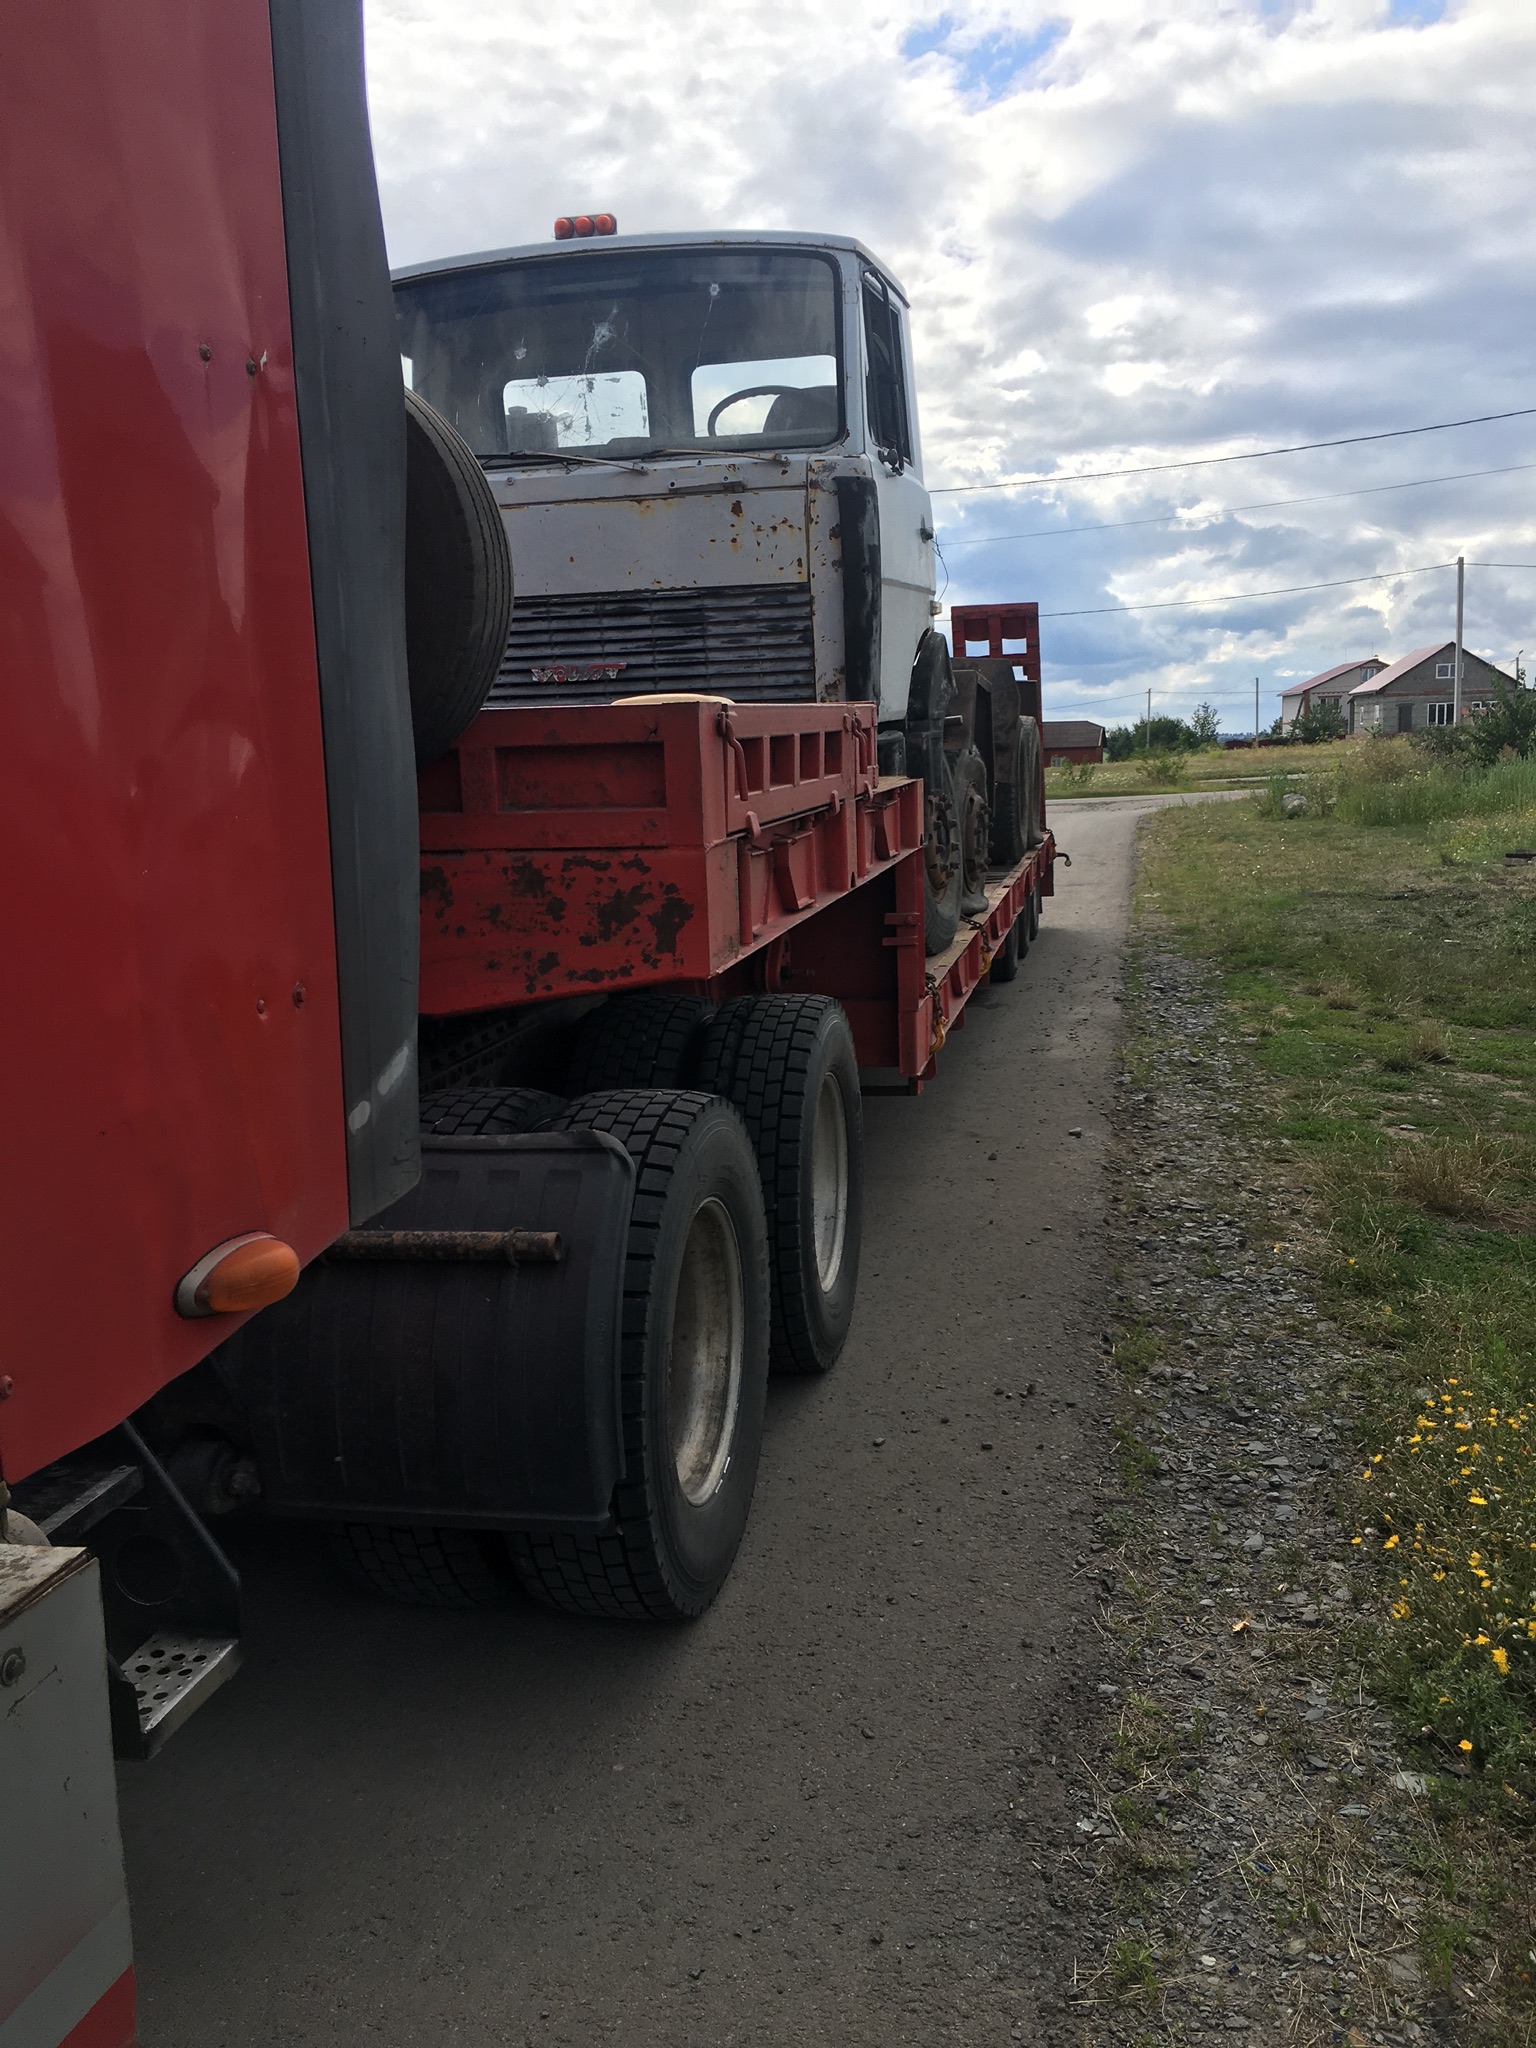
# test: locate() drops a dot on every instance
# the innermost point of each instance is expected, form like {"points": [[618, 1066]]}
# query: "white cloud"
{"points": [[1132, 230]]}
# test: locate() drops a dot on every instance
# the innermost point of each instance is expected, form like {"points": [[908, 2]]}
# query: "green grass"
{"points": [[1217, 767], [1379, 962]]}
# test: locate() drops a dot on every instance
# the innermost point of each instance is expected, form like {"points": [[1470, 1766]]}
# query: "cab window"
{"points": [[885, 378]]}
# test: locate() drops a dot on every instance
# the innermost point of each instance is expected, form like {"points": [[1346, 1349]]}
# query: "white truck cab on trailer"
{"points": [[705, 449]]}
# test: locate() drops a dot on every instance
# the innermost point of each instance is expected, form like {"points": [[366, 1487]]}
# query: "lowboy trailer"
{"points": [[666, 944]]}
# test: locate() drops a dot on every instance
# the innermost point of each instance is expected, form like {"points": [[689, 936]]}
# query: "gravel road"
{"points": [[828, 1812]]}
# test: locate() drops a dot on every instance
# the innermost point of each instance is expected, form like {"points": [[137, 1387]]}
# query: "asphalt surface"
{"points": [[837, 1809]]}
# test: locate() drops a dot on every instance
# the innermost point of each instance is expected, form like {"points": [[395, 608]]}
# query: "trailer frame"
{"points": [[692, 843]]}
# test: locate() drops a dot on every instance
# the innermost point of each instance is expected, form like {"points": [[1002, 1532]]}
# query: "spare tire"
{"points": [[458, 580]]}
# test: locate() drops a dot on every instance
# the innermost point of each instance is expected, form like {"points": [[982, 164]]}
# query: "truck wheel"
{"points": [[720, 1044], [794, 1076], [486, 1112], [1032, 782], [458, 580], [693, 1366], [942, 878], [428, 1567], [1018, 813], [1005, 965], [975, 815], [643, 1041]]}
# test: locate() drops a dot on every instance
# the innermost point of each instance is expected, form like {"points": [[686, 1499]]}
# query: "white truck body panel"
{"points": [[64, 1936]]}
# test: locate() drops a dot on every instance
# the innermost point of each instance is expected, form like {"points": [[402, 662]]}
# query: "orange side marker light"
{"points": [[241, 1274]]}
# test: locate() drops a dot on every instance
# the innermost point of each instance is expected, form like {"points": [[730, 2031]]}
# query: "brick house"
{"points": [[1333, 686], [1071, 740], [1419, 691]]}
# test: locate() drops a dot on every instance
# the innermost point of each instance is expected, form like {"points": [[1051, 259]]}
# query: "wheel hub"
{"points": [[708, 1343], [941, 840], [829, 1183]]}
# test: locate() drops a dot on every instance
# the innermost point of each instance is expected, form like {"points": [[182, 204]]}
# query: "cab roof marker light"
{"points": [[579, 226]]}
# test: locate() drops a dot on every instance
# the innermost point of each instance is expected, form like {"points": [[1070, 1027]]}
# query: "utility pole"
{"points": [[1461, 603], [1255, 711], [1149, 721]]}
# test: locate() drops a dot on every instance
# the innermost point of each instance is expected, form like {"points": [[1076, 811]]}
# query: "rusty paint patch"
{"points": [[436, 888], [669, 920], [600, 974], [526, 877], [617, 912]]}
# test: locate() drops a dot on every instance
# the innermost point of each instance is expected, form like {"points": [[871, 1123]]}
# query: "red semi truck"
{"points": [[431, 1121]]}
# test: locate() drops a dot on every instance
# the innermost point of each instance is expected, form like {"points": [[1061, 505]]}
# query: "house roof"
{"points": [[1399, 669], [1070, 732], [1328, 675]]}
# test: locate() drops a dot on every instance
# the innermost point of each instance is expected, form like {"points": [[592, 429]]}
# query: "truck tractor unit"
{"points": [[705, 449]]}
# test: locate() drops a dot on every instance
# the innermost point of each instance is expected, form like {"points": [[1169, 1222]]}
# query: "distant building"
{"points": [[1071, 740], [1419, 691], [1333, 686]]}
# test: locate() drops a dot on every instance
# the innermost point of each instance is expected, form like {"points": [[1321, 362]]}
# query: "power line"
{"points": [[1169, 604], [1264, 505], [1088, 476], [1501, 565]]}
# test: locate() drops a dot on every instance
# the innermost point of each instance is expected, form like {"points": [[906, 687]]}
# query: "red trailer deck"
{"points": [[692, 843]]}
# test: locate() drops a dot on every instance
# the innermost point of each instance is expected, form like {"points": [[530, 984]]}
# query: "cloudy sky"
{"points": [[1132, 231]]}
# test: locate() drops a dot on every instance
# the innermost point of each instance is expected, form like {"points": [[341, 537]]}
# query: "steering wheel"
{"points": [[752, 391]]}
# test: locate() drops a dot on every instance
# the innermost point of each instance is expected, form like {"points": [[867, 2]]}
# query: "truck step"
{"points": [[68, 1498], [172, 1673]]}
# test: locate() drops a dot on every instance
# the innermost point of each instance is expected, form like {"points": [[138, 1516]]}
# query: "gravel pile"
{"points": [[1246, 1848]]}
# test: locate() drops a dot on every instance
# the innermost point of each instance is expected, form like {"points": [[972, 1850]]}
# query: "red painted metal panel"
{"points": [[171, 1038], [1007, 631], [112, 2021], [596, 847]]}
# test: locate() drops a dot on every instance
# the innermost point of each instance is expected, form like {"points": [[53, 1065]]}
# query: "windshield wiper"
{"points": [[550, 455]]}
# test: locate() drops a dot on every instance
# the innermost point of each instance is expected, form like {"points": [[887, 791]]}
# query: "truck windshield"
{"points": [[621, 355]]}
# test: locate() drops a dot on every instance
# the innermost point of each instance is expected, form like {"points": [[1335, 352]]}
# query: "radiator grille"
{"points": [[751, 642]]}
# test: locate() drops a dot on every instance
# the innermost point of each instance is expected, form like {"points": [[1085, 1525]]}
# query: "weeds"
{"points": [[1380, 963], [1133, 1969], [1450, 1179]]}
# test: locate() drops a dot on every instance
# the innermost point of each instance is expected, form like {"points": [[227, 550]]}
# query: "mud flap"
{"points": [[470, 1392]]}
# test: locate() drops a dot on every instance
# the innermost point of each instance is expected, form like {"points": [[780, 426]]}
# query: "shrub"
{"points": [[1507, 728], [1321, 721]]}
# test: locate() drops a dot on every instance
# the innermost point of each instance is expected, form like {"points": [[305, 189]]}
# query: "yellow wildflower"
{"points": [[1501, 1658], [1465, 1745]]}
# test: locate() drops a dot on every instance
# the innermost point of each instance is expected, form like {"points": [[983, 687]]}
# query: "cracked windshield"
{"points": [[614, 356]]}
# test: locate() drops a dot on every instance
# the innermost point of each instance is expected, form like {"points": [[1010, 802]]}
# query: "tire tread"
{"points": [[618, 1572]]}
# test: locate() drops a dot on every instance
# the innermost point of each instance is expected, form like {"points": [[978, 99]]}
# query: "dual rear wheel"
{"points": [[742, 1251]]}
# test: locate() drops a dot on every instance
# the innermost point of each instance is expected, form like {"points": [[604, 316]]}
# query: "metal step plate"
{"points": [[173, 1673]]}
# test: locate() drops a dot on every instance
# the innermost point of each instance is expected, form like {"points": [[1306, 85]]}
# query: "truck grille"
{"points": [[751, 642]]}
